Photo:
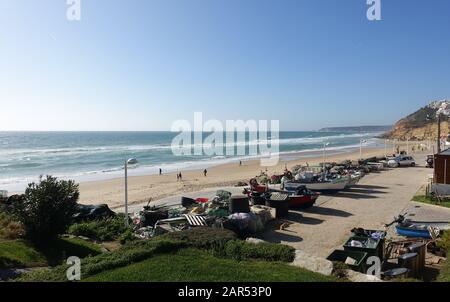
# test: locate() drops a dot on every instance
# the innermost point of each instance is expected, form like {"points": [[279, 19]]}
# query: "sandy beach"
{"points": [[142, 188]]}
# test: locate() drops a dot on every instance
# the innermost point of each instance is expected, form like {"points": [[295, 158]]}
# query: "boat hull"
{"points": [[319, 186], [302, 201], [412, 232]]}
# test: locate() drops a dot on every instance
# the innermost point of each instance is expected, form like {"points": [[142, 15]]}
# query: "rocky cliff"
{"points": [[422, 124]]}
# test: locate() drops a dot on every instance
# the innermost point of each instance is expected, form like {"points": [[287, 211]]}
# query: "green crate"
{"points": [[341, 256], [377, 250]]}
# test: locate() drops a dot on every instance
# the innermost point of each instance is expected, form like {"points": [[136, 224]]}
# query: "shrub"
{"points": [[242, 250], [127, 236], [444, 242], [46, 208], [108, 229], [10, 229], [203, 237]]}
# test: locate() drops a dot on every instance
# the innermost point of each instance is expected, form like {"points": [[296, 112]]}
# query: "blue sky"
{"points": [[141, 64]]}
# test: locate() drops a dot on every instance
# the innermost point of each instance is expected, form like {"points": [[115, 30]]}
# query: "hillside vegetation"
{"points": [[422, 124]]}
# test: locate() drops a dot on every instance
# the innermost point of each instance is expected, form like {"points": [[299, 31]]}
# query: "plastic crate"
{"points": [[377, 250], [342, 255]]}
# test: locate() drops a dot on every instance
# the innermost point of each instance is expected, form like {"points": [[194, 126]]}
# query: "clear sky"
{"points": [[141, 64]]}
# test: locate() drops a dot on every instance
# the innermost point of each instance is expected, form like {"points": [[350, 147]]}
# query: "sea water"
{"points": [[86, 156]]}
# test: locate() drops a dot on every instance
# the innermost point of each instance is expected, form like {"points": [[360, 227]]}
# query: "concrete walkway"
{"points": [[371, 204]]}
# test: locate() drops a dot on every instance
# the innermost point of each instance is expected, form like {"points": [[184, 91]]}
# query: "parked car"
{"points": [[430, 161], [402, 161]]}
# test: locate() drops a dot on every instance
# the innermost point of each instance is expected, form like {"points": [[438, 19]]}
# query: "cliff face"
{"points": [[422, 124]]}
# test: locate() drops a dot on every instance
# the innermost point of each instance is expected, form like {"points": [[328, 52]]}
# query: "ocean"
{"points": [[88, 156]]}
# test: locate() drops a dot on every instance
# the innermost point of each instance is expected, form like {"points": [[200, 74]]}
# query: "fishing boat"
{"points": [[317, 183], [408, 228], [302, 198], [417, 231]]}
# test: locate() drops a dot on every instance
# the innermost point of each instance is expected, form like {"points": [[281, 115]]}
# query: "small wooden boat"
{"points": [[407, 228], [302, 198], [418, 231]]}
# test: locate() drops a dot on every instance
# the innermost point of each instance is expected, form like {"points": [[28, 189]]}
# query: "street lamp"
{"points": [[430, 118], [324, 154], [130, 161], [361, 141], [385, 147]]}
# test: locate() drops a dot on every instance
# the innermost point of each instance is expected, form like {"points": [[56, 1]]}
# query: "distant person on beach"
{"points": [[160, 171], [240, 163], [180, 176], [205, 172]]}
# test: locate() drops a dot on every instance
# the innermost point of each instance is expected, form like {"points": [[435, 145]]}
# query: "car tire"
{"points": [[413, 164]]}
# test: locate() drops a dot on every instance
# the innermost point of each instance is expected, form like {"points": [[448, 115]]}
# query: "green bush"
{"points": [[203, 237], [444, 242], [127, 236], [108, 229], [46, 208], [242, 250], [10, 229]]}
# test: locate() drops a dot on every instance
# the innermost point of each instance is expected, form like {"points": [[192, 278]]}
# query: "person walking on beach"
{"points": [[205, 172], [181, 177], [178, 176], [160, 171], [240, 163]]}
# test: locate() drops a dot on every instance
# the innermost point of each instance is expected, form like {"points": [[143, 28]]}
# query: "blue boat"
{"points": [[408, 228], [413, 231]]}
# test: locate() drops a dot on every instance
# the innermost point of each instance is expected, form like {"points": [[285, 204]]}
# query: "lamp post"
{"points": [[361, 141], [407, 145], [130, 161], [385, 147], [430, 118], [324, 154]]}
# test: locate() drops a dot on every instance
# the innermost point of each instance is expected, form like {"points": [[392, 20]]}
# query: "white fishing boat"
{"points": [[320, 184]]}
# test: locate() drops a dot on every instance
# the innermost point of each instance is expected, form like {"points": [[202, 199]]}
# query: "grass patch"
{"points": [[195, 265], [203, 237], [242, 250], [127, 255], [108, 229], [431, 200], [444, 243], [21, 253], [444, 274]]}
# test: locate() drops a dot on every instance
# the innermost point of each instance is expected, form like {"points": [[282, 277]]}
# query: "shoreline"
{"points": [[142, 188], [18, 186]]}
